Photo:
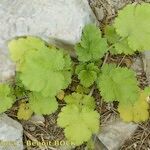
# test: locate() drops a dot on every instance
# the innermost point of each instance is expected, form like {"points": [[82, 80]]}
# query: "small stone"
{"points": [[97, 103], [32, 128], [38, 118], [114, 133], [11, 133], [137, 65], [73, 88], [99, 12]]}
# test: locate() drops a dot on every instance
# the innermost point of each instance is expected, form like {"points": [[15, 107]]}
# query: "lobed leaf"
{"points": [[87, 74], [42, 69], [118, 84], [19, 47], [6, 101], [79, 124], [42, 105], [80, 100], [92, 46], [136, 112], [120, 46], [24, 112], [133, 23]]}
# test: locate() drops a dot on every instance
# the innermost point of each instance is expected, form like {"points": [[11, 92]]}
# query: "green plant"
{"points": [[115, 82], [133, 23], [43, 72], [92, 46], [136, 112], [42, 69], [87, 73], [130, 31], [6, 101], [79, 118], [119, 45], [42, 105], [24, 111]]}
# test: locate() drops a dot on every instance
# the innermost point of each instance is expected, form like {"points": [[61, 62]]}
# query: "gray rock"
{"points": [[11, 133], [146, 61], [58, 21], [99, 12], [37, 118], [114, 133], [138, 65], [95, 144], [7, 67]]}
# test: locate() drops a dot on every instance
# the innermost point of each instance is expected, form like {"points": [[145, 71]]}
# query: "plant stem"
{"points": [[107, 54], [92, 90], [105, 60], [121, 60], [121, 39]]}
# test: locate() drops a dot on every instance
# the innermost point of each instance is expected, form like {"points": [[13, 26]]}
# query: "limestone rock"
{"points": [[114, 133], [58, 21], [137, 65], [11, 133]]}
